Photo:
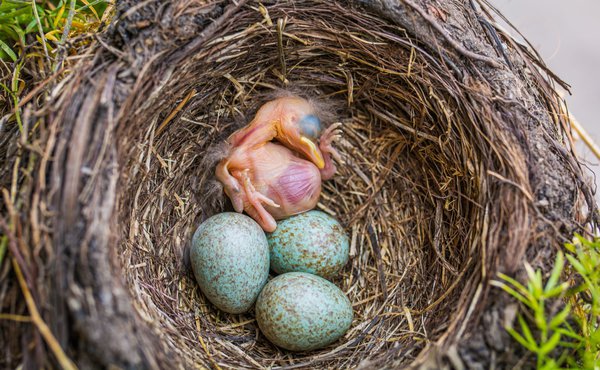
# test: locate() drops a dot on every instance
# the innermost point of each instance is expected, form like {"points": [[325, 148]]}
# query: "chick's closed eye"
{"points": [[310, 126]]}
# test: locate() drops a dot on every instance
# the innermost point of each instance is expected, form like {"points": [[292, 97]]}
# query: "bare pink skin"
{"points": [[271, 181]]}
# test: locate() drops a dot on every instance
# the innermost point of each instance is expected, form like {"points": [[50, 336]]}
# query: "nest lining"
{"points": [[409, 191]]}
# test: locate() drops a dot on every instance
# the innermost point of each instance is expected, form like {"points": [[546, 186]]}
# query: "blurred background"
{"points": [[567, 35]]}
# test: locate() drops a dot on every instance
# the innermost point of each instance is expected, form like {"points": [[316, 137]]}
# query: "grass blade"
{"points": [[8, 51], [40, 29], [91, 8]]}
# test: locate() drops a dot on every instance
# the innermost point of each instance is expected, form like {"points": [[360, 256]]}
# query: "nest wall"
{"points": [[438, 189]]}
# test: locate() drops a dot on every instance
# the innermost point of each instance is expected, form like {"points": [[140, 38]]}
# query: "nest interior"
{"points": [[448, 176], [409, 191]]}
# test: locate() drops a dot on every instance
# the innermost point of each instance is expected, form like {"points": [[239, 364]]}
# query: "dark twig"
{"points": [[375, 245]]}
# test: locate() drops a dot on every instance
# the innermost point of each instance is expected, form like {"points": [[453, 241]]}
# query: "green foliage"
{"points": [[24, 22], [31, 33], [570, 337]]}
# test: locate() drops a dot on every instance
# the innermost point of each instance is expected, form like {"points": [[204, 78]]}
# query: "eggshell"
{"points": [[230, 259], [312, 242], [301, 312]]}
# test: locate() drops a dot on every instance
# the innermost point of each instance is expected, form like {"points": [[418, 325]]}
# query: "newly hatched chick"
{"points": [[271, 181]]}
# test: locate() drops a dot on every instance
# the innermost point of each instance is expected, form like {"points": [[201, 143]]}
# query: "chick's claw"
{"points": [[257, 209], [251, 191], [330, 135], [334, 129], [327, 148]]}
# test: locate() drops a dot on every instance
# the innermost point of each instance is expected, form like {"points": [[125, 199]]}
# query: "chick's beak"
{"points": [[313, 152]]}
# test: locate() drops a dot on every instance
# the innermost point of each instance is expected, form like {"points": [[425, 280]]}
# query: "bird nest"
{"points": [[449, 152]]}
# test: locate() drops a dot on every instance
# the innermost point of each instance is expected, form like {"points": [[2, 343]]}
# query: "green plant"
{"points": [[568, 337], [33, 46], [46, 22]]}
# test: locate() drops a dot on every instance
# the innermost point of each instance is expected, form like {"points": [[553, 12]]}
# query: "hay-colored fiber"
{"points": [[449, 150]]}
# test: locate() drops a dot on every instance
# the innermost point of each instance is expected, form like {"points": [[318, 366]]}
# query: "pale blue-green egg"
{"points": [[311, 242], [230, 259], [301, 312]]}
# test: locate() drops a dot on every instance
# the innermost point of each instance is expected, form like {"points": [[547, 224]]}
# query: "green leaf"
{"points": [[527, 333], [576, 265], [590, 360], [535, 280], [585, 241], [20, 34], [595, 310], [570, 247], [520, 287], [560, 317], [569, 345], [8, 51], [9, 31], [550, 364], [511, 291], [570, 334], [7, 89], [13, 14], [540, 318], [550, 344], [92, 5], [556, 271], [521, 340], [556, 291], [31, 26], [595, 337], [586, 261]]}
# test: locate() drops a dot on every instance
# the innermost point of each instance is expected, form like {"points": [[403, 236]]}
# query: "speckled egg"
{"points": [[301, 312], [230, 259], [311, 242]]}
